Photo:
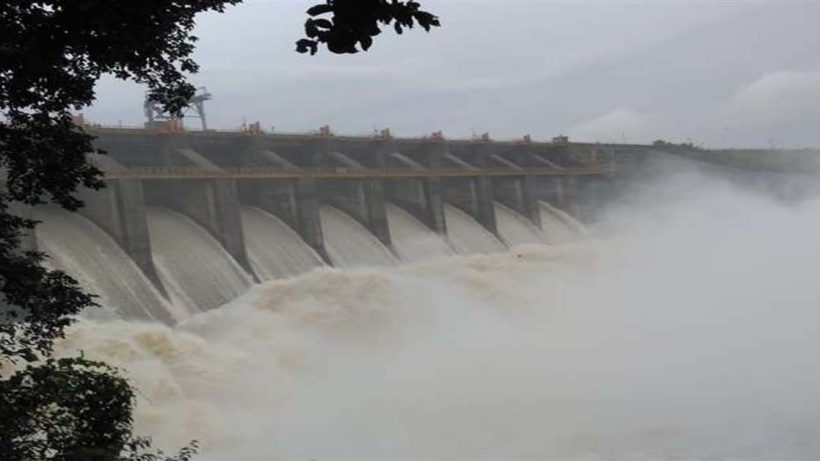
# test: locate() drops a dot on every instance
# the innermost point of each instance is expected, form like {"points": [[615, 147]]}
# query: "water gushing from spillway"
{"points": [[692, 336], [558, 226], [466, 235], [412, 240], [197, 272], [85, 252], [349, 244], [516, 229], [274, 249]]}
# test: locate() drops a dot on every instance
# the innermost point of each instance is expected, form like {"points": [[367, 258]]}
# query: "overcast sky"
{"points": [[717, 73]]}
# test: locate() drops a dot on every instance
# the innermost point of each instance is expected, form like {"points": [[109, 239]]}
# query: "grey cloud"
{"points": [[513, 68], [620, 125]]}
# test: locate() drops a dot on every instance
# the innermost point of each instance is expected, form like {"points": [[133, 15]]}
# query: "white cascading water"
{"points": [[349, 244], [466, 235], [692, 335], [412, 240], [89, 255], [558, 226], [515, 229], [197, 272], [274, 249]]}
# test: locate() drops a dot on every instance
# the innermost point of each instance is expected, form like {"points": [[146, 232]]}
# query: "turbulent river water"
{"points": [[690, 333]]}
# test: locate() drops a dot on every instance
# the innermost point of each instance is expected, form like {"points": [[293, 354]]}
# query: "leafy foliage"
{"points": [[52, 52], [354, 23], [85, 417], [51, 55]]}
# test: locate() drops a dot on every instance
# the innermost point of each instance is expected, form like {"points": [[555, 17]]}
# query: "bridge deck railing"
{"points": [[341, 173]]}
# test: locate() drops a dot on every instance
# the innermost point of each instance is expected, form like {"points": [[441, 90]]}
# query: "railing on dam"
{"points": [[342, 173]]}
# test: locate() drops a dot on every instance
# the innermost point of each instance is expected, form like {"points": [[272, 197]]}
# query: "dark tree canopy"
{"points": [[352, 24], [52, 53], [92, 425]]}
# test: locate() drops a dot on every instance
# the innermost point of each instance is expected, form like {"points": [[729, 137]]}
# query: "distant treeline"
{"points": [[786, 160]]}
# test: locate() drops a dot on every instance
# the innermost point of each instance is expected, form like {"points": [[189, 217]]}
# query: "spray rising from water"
{"points": [[691, 335]]}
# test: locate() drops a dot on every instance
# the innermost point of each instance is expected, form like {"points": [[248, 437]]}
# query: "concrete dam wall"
{"points": [[189, 221]]}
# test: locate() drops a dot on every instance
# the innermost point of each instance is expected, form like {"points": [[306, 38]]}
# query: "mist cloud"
{"points": [[691, 334], [620, 125], [778, 98]]}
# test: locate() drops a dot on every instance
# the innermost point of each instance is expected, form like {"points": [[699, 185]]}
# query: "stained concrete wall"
{"points": [[215, 203], [550, 189], [516, 192], [474, 195], [364, 199], [119, 210], [212, 203], [294, 201], [421, 197], [559, 191]]}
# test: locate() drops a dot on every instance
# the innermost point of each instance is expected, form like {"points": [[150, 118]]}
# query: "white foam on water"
{"points": [[516, 229], [466, 235], [274, 249], [89, 255], [412, 240], [692, 336], [349, 244], [197, 272]]}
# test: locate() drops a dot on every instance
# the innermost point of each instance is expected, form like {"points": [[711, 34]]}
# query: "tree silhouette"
{"points": [[52, 53], [354, 23]]}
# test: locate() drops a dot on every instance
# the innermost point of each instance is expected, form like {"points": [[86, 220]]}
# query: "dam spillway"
{"points": [[467, 236], [191, 220], [274, 249], [196, 218], [75, 245], [193, 266], [412, 241], [349, 244], [485, 328], [515, 229]]}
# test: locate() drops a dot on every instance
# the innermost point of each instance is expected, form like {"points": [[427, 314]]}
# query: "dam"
{"points": [[515, 353], [191, 220]]}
